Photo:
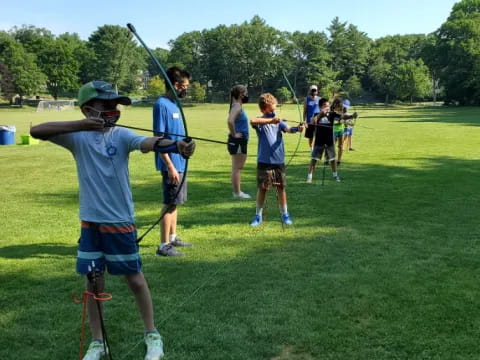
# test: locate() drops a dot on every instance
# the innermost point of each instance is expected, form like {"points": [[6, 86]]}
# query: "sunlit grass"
{"points": [[381, 266]]}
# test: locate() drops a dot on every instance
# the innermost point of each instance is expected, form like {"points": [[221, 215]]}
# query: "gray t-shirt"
{"points": [[102, 169]]}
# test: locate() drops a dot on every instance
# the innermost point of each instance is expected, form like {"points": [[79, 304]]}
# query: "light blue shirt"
{"points": [[270, 143], [102, 169]]}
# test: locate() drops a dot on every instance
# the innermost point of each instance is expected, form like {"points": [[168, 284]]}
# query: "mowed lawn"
{"points": [[384, 265]]}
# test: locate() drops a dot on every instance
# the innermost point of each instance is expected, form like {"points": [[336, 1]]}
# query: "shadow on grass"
{"points": [[463, 116], [355, 291], [43, 250]]}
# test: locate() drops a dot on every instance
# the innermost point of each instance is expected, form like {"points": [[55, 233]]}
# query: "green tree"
{"points": [[7, 88], [412, 80], [33, 39], [162, 56], [382, 79], [307, 59], [387, 54], [349, 48], [58, 62], [116, 58], [283, 94], [156, 87], [353, 87], [82, 54], [249, 54], [20, 65], [197, 91], [186, 52], [458, 49]]}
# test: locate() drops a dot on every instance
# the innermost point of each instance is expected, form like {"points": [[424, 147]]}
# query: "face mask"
{"points": [[182, 93], [313, 93], [109, 116], [245, 99], [270, 115]]}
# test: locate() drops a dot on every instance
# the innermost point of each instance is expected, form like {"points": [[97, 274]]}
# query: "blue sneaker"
{"points": [[257, 220], [286, 219]]}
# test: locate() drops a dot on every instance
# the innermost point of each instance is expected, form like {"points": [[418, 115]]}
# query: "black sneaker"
{"points": [[169, 250], [179, 243]]}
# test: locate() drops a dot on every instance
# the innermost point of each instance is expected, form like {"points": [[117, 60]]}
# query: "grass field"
{"points": [[381, 266]]}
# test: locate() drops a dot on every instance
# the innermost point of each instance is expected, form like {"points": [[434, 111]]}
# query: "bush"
{"points": [[197, 92], [283, 94]]}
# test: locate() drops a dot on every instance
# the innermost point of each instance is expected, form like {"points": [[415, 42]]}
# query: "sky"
{"points": [[158, 22]]}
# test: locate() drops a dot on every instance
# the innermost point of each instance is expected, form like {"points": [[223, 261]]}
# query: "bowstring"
{"points": [[300, 118]]}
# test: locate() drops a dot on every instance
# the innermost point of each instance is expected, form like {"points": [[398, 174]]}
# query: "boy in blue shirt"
{"points": [[108, 234], [167, 117], [271, 157]]}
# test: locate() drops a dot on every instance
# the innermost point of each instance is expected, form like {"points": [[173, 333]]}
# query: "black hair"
{"points": [[175, 74], [337, 102], [322, 102], [238, 90]]}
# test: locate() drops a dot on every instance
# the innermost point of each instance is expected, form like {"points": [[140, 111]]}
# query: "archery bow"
{"points": [[299, 114], [177, 101], [161, 133]]}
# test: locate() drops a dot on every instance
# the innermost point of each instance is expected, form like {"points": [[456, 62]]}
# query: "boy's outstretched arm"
{"points": [[163, 145], [47, 130], [264, 121], [294, 129]]}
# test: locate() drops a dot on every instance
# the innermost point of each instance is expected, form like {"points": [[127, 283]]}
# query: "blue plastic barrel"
{"points": [[7, 134]]}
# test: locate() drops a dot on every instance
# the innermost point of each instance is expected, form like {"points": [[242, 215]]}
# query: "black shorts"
{"points": [[271, 174], [170, 190], [237, 145]]}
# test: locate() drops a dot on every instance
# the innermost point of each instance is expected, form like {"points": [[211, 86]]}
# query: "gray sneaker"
{"points": [[154, 345], [169, 250], [95, 351], [180, 243]]}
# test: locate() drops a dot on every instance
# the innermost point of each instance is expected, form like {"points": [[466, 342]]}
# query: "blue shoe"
{"points": [[286, 219], [257, 220]]}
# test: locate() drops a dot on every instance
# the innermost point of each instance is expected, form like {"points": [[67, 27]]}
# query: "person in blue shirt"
{"points": [[310, 110], [271, 157], [167, 117], [238, 137], [108, 234]]}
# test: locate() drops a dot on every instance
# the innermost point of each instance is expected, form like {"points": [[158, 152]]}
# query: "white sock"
{"points": [[162, 245], [283, 209], [259, 210], [172, 237], [309, 176], [335, 174]]}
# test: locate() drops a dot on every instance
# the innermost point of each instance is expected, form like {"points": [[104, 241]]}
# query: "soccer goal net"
{"points": [[55, 105]]}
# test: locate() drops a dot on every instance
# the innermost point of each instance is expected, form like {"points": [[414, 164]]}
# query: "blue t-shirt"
{"points": [[270, 143], [168, 118], [312, 107], [241, 124], [102, 169]]}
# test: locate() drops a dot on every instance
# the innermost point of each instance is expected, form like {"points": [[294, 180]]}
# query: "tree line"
{"points": [[443, 64]]}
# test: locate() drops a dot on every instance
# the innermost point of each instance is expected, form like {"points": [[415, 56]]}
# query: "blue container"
{"points": [[7, 134]]}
